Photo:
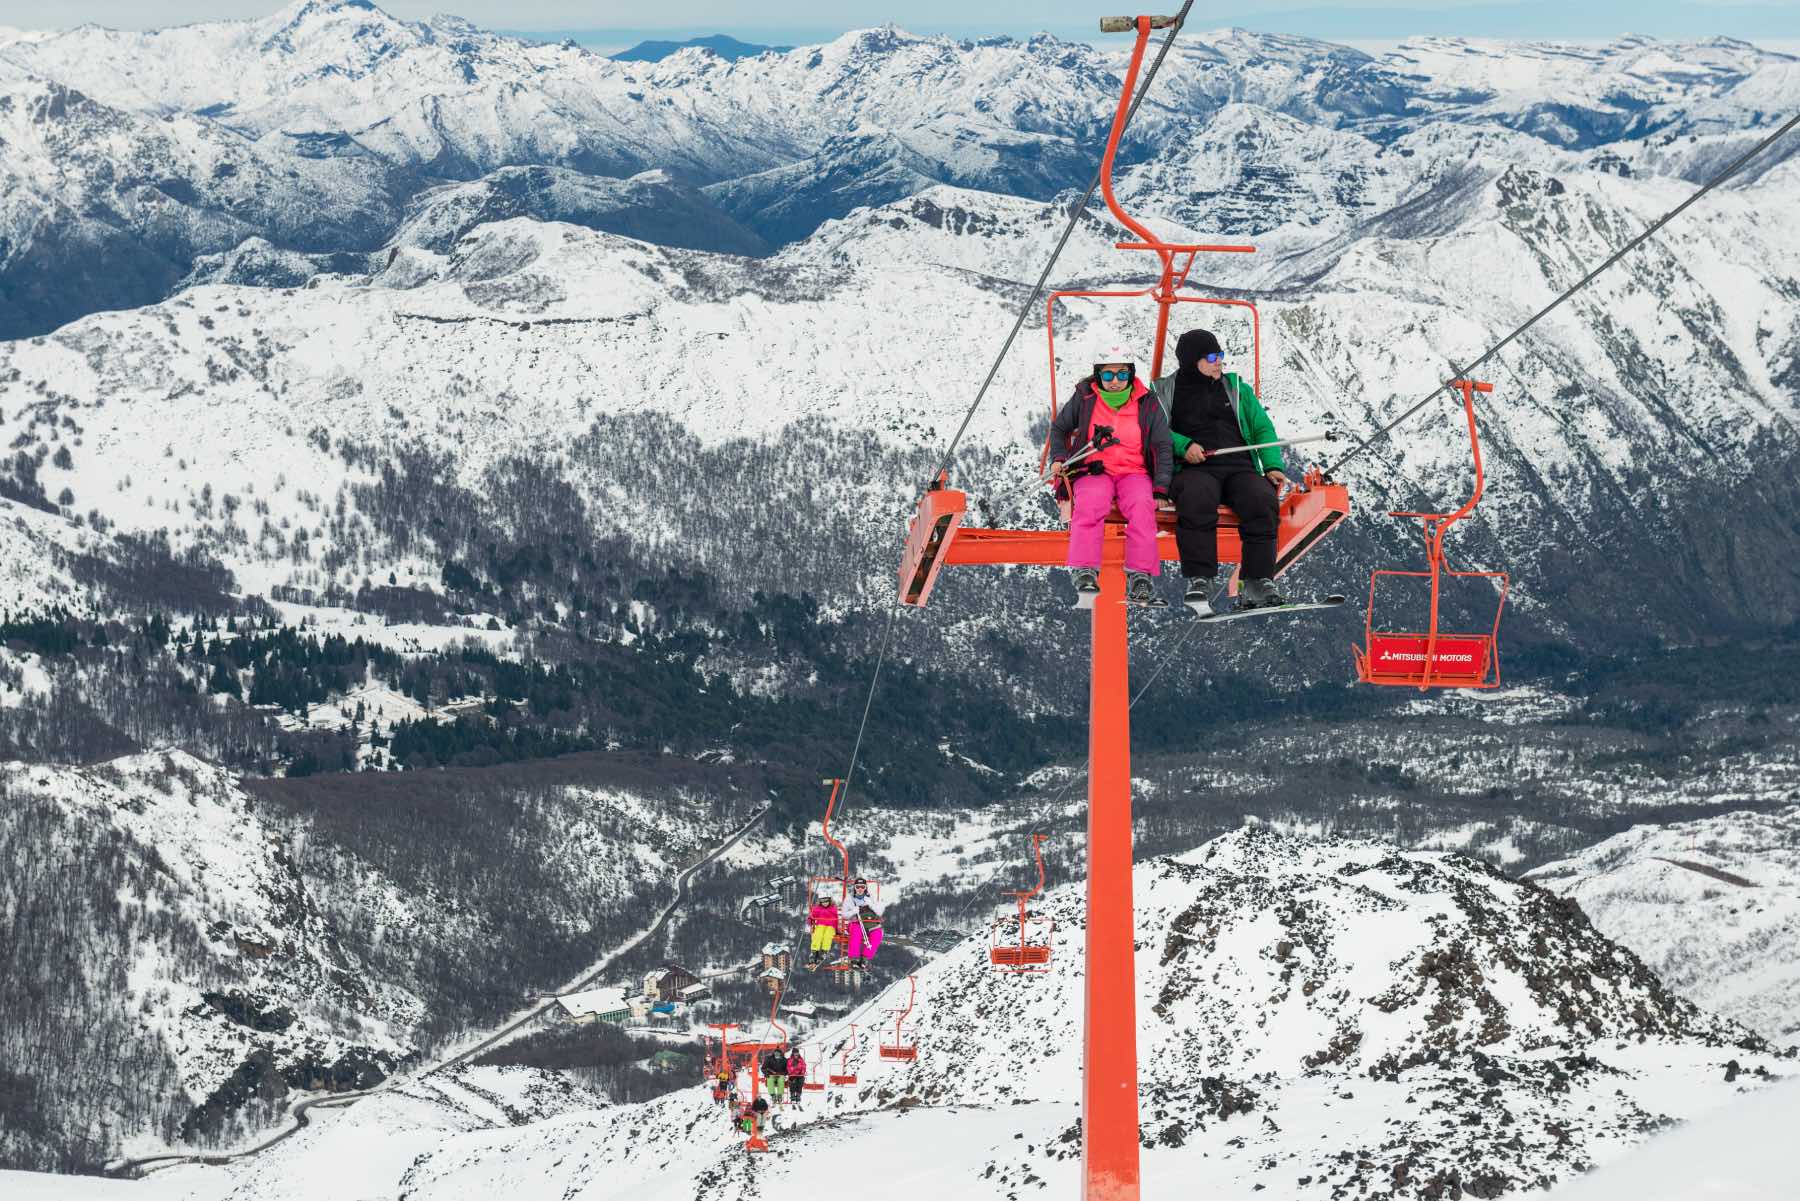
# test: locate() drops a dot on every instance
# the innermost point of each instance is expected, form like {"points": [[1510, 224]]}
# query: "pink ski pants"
{"points": [[860, 938], [1094, 496]]}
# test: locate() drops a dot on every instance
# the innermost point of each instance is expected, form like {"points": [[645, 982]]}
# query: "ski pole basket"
{"points": [[898, 1049], [1031, 952], [1432, 657]]}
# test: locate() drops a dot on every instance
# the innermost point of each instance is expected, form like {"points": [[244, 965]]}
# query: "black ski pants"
{"points": [[1197, 490]]}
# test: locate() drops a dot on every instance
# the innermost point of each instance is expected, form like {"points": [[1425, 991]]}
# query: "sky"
{"points": [[800, 21]]}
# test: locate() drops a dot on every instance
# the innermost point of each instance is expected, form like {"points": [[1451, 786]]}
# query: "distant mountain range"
{"points": [[728, 48]]}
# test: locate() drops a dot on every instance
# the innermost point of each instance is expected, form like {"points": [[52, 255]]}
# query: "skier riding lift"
{"points": [[774, 1070], [865, 925], [796, 1076], [824, 918], [1110, 443], [1210, 408]]}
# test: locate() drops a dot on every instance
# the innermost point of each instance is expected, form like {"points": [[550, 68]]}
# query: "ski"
{"points": [[1329, 602]]}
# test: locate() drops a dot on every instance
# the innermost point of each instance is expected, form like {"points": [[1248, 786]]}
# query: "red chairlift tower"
{"points": [[937, 539], [752, 1053]]}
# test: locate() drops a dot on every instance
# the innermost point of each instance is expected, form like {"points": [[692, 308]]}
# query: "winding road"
{"points": [[302, 1112]]}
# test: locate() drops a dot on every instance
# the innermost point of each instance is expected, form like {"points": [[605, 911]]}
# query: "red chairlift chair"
{"points": [[898, 1049], [723, 1060], [813, 1083], [818, 886], [844, 1075], [938, 537], [1433, 658], [1029, 954]]}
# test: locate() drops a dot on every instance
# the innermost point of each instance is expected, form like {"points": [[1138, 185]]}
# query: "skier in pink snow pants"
{"points": [[865, 924], [1130, 463]]}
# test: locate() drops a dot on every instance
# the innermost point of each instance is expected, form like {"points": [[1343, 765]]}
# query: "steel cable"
{"points": [[1737, 164]]}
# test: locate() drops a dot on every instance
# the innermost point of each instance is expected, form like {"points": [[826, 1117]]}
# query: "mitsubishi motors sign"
{"points": [[1455, 658]]}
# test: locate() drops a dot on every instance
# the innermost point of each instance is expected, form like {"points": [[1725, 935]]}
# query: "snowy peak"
{"points": [[358, 27]]}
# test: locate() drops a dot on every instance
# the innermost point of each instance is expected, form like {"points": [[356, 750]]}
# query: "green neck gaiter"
{"points": [[1114, 400]]}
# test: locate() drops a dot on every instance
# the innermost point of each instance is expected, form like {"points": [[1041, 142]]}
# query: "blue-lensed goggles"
{"points": [[1123, 377], [1214, 357]]}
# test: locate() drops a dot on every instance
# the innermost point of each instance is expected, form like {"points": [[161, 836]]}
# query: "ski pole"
{"points": [[1099, 442], [1328, 436]]}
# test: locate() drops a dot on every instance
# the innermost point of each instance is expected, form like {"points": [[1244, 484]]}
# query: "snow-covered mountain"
{"points": [[345, 113], [104, 207], [1321, 1019], [631, 371], [191, 936], [542, 340], [189, 955], [1713, 906]]}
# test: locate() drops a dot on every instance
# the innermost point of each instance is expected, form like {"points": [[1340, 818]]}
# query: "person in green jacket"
{"points": [[1211, 408]]}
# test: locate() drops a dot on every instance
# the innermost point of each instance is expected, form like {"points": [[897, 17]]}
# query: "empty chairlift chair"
{"points": [[1031, 951], [844, 1075], [898, 1049], [1432, 658]]}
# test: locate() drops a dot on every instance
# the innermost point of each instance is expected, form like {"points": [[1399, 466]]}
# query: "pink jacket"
{"points": [[825, 914]]}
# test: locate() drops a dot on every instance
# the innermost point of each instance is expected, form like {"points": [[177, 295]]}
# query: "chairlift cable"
{"points": [[1468, 372], [1044, 814], [1074, 218], [869, 701]]}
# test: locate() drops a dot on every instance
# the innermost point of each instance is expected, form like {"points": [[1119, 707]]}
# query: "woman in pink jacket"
{"points": [[1132, 458]]}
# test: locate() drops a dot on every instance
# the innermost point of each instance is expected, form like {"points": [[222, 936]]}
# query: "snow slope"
{"points": [[1713, 906], [1320, 1019], [205, 950], [1741, 1152]]}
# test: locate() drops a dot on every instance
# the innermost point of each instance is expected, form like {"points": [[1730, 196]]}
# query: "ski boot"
{"points": [[1087, 587], [1140, 589], [1199, 595], [1261, 594]]}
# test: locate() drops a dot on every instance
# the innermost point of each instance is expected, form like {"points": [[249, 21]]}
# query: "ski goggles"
{"points": [[1123, 377], [1214, 357]]}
